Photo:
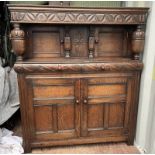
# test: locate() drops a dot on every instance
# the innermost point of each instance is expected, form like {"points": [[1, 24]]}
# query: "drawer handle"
{"points": [[77, 101], [85, 101]]}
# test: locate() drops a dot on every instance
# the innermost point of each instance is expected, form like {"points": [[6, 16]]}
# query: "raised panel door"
{"points": [[55, 106], [105, 106]]}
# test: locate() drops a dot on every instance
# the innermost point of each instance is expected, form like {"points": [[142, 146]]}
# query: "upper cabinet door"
{"points": [[106, 103], [54, 105], [44, 42]]}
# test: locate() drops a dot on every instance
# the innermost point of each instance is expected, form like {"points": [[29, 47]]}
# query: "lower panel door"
{"points": [[105, 106], [54, 105]]}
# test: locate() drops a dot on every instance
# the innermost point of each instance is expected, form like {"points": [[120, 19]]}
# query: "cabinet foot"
{"points": [[27, 149], [130, 142]]}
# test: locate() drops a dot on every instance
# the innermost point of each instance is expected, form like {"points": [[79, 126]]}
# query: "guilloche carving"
{"points": [[77, 15]]}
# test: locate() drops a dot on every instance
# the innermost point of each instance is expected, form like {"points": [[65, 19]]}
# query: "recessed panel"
{"points": [[116, 115], [46, 43], [53, 91], [66, 117], [43, 118], [106, 90], [79, 41], [95, 116], [111, 42], [50, 81]]}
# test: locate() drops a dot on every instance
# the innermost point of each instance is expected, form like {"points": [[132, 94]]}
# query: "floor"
{"points": [[112, 148]]}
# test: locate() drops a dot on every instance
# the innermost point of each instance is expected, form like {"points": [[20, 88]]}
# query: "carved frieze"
{"points": [[77, 15]]}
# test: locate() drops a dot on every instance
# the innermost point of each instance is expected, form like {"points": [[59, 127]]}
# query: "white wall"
{"points": [[145, 133], [137, 3], [150, 136]]}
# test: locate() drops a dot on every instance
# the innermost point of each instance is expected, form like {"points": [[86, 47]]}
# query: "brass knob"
{"points": [[85, 101], [77, 101]]}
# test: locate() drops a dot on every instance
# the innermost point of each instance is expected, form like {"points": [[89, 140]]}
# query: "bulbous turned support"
{"points": [[18, 41], [137, 42]]}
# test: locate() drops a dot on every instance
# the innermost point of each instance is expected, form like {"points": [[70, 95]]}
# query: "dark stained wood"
{"points": [[18, 41], [103, 115], [84, 107], [82, 140], [74, 15], [106, 116], [45, 123], [137, 43], [116, 115], [95, 116], [24, 114], [56, 119], [79, 74], [115, 37], [78, 68]]}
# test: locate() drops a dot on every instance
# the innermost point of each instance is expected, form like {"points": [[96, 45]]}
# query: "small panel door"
{"points": [[44, 42], [55, 106], [105, 104]]}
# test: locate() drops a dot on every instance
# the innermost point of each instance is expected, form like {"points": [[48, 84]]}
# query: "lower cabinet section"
{"points": [[76, 109]]}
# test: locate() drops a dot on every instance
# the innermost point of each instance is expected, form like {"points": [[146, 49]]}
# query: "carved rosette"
{"points": [[18, 41], [137, 42]]}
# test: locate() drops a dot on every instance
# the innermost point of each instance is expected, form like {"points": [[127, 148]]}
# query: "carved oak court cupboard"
{"points": [[78, 72]]}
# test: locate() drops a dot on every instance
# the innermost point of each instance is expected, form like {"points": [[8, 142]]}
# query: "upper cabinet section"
{"points": [[77, 41], [70, 32], [73, 15]]}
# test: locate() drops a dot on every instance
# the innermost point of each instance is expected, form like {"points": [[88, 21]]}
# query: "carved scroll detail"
{"points": [[18, 42]]}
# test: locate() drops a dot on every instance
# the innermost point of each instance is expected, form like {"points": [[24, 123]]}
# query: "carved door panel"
{"points": [[55, 107], [105, 106]]}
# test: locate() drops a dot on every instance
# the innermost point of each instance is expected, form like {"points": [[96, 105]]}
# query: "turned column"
{"points": [[18, 41], [91, 47], [137, 42], [67, 43], [67, 46]]}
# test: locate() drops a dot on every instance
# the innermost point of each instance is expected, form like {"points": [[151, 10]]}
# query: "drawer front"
{"points": [[55, 113], [105, 106]]}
